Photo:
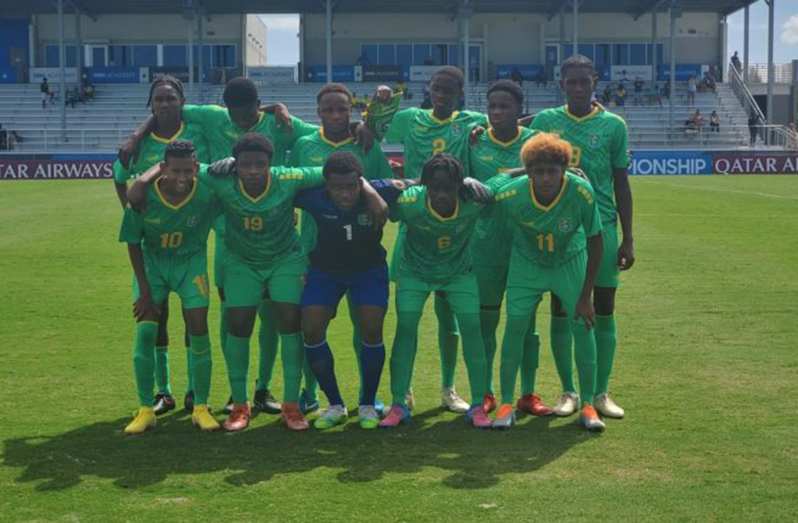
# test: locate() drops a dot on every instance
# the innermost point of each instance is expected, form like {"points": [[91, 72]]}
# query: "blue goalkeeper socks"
{"points": [[320, 359]]}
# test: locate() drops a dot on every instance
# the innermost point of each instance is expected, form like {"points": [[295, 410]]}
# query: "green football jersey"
{"points": [[494, 234], [313, 150], [550, 235], [261, 230], [221, 133], [152, 149], [165, 229], [435, 248], [423, 135], [600, 143]]}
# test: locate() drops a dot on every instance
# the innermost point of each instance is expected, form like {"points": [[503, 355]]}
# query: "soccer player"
{"points": [[348, 258], [312, 150], [173, 229], [436, 257], [166, 101], [498, 150], [222, 127], [264, 254], [424, 133], [553, 211], [599, 139]]}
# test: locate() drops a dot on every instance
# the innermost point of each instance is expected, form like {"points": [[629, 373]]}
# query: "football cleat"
{"points": [[532, 404], [396, 416], [201, 417], [228, 408], [607, 407], [489, 403], [368, 416], [332, 416], [239, 418], [308, 403], [265, 402], [453, 402], [292, 417], [478, 418], [188, 401], [505, 418], [590, 419], [164, 402], [567, 404], [144, 419]]}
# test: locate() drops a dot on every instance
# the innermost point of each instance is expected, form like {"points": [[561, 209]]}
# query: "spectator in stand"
{"points": [[3, 139], [691, 127], [692, 87], [714, 122], [700, 122], [753, 127], [44, 87], [735, 60], [666, 90], [655, 96], [401, 87], [606, 96], [638, 84], [517, 77], [792, 137], [543, 77], [620, 95], [72, 96], [87, 92], [709, 82]]}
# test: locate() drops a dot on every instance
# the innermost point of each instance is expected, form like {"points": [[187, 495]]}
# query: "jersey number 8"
{"points": [[438, 146], [444, 242]]}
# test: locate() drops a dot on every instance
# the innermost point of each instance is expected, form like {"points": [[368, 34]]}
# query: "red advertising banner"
{"points": [[762, 163], [56, 167]]}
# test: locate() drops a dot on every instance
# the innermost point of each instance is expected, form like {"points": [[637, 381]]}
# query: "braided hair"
{"points": [[446, 163], [166, 80]]}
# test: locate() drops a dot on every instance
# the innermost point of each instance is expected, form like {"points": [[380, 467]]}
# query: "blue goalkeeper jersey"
{"points": [[346, 241]]}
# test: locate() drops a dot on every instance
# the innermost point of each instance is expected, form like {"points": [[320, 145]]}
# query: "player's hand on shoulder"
{"points": [[128, 152], [475, 191], [363, 136], [474, 135], [283, 117], [398, 168], [222, 168], [579, 172]]}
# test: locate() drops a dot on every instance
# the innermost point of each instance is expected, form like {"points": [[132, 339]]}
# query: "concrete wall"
{"points": [[255, 38]]}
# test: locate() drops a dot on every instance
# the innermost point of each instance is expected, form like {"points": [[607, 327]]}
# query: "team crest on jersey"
{"points": [[460, 228], [457, 129], [564, 224], [594, 141], [192, 221], [363, 219]]}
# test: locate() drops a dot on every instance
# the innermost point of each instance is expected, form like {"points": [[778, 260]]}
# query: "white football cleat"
{"points": [[453, 402], [607, 407], [567, 404]]}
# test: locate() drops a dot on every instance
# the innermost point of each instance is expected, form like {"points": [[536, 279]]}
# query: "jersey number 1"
{"points": [[348, 229], [546, 240]]}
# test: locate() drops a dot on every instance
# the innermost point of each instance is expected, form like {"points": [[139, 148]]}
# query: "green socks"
{"points": [[162, 370], [489, 322], [585, 344], [223, 327], [606, 341], [512, 350], [403, 354], [293, 355], [189, 369], [144, 361], [474, 356], [236, 356], [561, 334], [530, 358], [201, 367], [268, 341], [447, 341]]}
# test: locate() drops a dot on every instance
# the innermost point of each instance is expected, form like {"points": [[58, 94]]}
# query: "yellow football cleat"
{"points": [[201, 417], [145, 419]]}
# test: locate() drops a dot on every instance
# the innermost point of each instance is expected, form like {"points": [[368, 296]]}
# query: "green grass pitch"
{"points": [[707, 369]]}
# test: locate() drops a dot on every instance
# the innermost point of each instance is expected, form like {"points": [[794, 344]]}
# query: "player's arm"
{"points": [[143, 307], [137, 193], [121, 175], [129, 150], [623, 200], [476, 191], [376, 206], [282, 115], [584, 307]]}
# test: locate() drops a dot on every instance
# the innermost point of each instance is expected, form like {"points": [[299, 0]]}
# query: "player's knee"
{"points": [[288, 317], [313, 331], [604, 300], [371, 334], [196, 323], [240, 323]]}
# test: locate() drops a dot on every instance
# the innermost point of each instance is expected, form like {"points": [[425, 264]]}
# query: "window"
{"points": [[637, 54], [404, 54], [51, 57], [387, 54], [174, 56], [620, 54], [586, 50], [145, 55], [421, 53], [602, 55], [122, 55], [453, 57]]}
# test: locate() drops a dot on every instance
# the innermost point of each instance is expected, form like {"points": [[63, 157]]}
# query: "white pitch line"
{"points": [[719, 189]]}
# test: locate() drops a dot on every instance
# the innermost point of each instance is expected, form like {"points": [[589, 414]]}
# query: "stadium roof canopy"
{"points": [[106, 7]]}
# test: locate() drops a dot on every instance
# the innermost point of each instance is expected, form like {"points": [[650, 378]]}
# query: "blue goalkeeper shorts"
{"points": [[365, 288]]}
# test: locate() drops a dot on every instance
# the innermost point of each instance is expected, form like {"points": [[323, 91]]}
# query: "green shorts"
{"points": [[185, 275], [393, 266], [246, 286], [528, 282], [462, 293], [492, 280], [608, 274], [219, 252]]}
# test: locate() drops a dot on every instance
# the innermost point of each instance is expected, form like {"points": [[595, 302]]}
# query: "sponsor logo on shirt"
{"points": [[457, 129], [363, 219]]}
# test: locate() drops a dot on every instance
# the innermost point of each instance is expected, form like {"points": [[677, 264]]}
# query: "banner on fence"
{"points": [[53, 75], [56, 167]]}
